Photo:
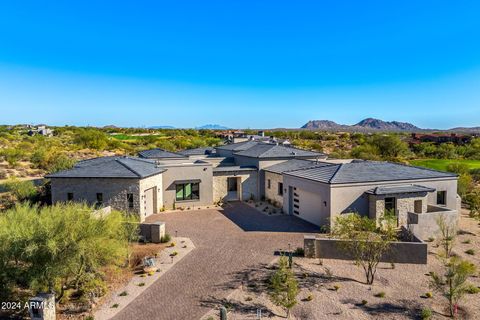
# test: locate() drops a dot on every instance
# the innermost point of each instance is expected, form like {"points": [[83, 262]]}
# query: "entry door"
{"points": [[149, 197], [232, 188]]}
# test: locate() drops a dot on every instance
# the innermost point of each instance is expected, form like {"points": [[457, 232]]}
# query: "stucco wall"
{"points": [[272, 193], [202, 171], [314, 199], [155, 182], [248, 184]]}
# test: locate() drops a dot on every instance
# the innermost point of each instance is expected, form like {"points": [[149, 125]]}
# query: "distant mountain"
{"points": [[381, 125], [211, 127], [368, 124], [466, 129], [161, 127], [322, 125]]}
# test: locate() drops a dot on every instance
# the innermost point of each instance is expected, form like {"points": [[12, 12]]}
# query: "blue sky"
{"points": [[257, 64]]}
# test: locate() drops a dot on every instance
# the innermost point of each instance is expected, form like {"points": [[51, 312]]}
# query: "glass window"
{"points": [[187, 191], [130, 200], [268, 183], [280, 189], [442, 198], [99, 200], [390, 205], [70, 196]]}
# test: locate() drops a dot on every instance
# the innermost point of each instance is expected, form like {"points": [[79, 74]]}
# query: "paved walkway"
{"points": [[228, 243]]}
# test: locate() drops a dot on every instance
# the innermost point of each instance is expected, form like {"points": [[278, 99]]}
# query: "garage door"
{"points": [[308, 206], [148, 199]]}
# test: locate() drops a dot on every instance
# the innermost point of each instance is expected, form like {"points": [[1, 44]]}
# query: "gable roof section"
{"points": [[159, 154], [266, 150], [111, 167], [367, 171], [197, 151], [290, 165], [239, 146]]}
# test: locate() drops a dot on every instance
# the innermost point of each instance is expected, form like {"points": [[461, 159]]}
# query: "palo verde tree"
{"points": [[59, 248], [284, 286], [364, 241], [453, 283], [448, 235]]}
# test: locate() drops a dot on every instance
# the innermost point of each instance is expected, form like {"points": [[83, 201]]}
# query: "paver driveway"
{"points": [[228, 242]]}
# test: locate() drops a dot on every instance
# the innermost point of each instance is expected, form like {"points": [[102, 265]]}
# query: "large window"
{"points": [[187, 191], [442, 198]]}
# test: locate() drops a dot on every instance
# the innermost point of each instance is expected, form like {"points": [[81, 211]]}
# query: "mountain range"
{"points": [[371, 124]]}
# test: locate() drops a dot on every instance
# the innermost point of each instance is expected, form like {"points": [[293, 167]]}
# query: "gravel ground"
{"points": [[404, 287]]}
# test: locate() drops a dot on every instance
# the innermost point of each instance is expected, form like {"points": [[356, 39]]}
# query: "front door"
{"points": [[232, 189], [148, 201]]}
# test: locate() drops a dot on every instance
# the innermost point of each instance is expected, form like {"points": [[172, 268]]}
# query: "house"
{"points": [[303, 183]]}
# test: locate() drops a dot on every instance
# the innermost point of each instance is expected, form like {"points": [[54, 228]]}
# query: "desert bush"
{"points": [[470, 252], [380, 294], [21, 190], [283, 286], [166, 238], [426, 313], [472, 289]]}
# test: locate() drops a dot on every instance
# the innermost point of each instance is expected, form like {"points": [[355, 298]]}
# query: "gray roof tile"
{"points": [[367, 171], [239, 146], [412, 188], [266, 150], [293, 164], [159, 154], [111, 167], [197, 151]]}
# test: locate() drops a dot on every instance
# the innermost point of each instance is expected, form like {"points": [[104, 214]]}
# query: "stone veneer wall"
{"points": [[248, 181], [86, 189], [272, 193], [114, 191], [405, 204]]}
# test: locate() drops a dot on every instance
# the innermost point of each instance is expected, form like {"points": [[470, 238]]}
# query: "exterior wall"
{"points": [[192, 171], [86, 189], [425, 225], [248, 184], [352, 198], [114, 191], [272, 193], [155, 182], [405, 204], [224, 153], [314, 199]]}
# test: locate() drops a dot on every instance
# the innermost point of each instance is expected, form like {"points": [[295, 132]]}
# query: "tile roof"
{"points": [[239, 146], [111, 167], [412, 188], [367, 171], [197, 151], [293, 164], [265, 150], [159, 154], [234, 168]]}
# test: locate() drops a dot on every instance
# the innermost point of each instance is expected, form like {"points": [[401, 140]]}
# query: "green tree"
{"points": [[284, 286], [453, 283], [473, 201], [21, 190], [448, 235], [59, 248], [465, 184], [91, 138], [390, 146], [364, 241]]}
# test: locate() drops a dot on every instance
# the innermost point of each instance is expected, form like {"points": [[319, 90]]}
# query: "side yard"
{"points": [[336, 289]]}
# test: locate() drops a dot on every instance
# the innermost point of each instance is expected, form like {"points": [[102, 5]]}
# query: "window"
{"points": [[99, 200], [280, 189], [130, 200], [442, 198], [70, 196], [390, 205], [418, 204], [187, 191], [269, 184]]}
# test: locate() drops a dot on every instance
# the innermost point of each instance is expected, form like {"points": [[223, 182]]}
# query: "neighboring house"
{"points": [[303, 183], [41, 130]]}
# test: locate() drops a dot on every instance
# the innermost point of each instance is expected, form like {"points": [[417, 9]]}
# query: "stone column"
{"points": [[309, 246]]}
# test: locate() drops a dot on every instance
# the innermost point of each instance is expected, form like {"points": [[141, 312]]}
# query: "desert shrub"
{"points": [[428, 295], [364, 302], [468, 241], [21, 190], [115, 305], [470, 252], [300, 252], [336, 287], [141, 284], [59, 248], [380, 294], [91, 138], [309, 297], [426, 313], [12, 155], [283, 286], [123, 294], [472, 289]]}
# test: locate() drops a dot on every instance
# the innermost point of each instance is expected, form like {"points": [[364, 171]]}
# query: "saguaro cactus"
{"points": [[223, 313]]}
